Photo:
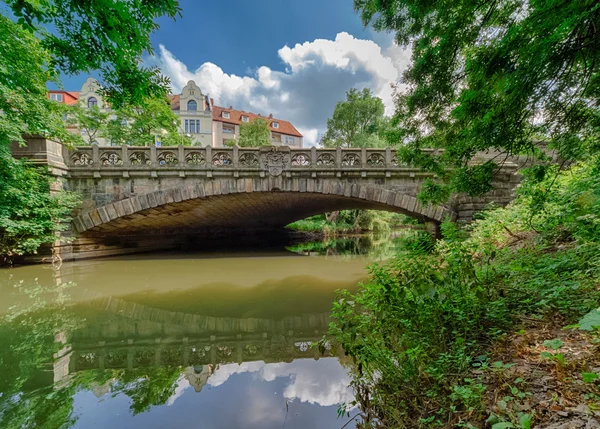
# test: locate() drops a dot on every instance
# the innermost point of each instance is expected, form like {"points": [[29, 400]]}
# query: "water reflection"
{"points": [[173, 340]]}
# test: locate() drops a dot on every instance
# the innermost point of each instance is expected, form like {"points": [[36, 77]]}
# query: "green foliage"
{"points": [[589, 377], [590, 321], [255, 133], [24, 103], [29, 215], [379, 222], [554, 344], [106, 36], [153, 118], [422, 321], [133, 126], [354, 121], [493, 76], [91, 122]]}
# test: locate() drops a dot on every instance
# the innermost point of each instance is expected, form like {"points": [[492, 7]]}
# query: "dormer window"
{"points": [[275, 124], [245, 119], [92, 101], [56, 97], [226, 115], [192, 105]]}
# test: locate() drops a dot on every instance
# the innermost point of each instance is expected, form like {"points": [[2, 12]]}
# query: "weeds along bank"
{"points": [[469, 332]]}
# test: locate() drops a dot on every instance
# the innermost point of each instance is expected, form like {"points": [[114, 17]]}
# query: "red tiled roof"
{"points": [[174, 101], [235, 117]]}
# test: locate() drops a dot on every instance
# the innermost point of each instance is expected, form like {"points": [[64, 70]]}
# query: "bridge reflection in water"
{"points": [[126, 335]]}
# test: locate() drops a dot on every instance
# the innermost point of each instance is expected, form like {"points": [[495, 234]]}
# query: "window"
{"points": [[289, 140], [245, 119], [92, 102], [228, 130], [192, 105], [56, 97], [226, 115], [275, 124], [192, 126]]}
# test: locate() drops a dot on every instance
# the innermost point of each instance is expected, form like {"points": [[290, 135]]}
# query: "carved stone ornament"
{"points": [[139, 158], [222, 159], [326, 159], [275, 160], [249, 160], [81, 159], [376, 160], [195, 158], [167, 158], [110, 158], [300, 160], [351, 160]]}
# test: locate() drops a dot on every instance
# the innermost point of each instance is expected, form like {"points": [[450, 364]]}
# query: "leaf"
{"points": [[501, 405], [589, 377], [554, 344], [503, 425], [590, 321], [525, 421], [546, 355]]}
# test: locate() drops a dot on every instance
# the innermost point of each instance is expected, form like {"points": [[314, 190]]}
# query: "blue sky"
{"points": [[294, 59]]}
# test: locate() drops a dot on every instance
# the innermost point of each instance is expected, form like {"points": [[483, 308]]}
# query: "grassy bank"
{"points": [[470, 333]]}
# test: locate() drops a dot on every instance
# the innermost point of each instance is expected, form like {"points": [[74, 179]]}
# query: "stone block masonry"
{"points": [[140, 198]]}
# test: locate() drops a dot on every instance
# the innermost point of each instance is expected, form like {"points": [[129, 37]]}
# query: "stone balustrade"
{"points": [[206, 161]]}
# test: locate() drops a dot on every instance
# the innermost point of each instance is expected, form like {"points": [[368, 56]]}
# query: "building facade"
{"points": [[227, 121], [199, 118], [195, 118]]}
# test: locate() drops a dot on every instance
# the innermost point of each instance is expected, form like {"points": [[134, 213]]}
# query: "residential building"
{"points": [[199, 118], [227, 121], [66, 97], [194, 113]]}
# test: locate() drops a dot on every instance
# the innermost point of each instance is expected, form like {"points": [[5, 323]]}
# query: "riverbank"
{"points": [[494, 327]]}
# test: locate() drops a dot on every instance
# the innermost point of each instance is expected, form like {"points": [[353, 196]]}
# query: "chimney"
{"points": [[230, 107], [212, 102], [270, 116]]}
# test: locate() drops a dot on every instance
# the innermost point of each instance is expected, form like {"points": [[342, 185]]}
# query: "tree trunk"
{"points": [[331, 217]]}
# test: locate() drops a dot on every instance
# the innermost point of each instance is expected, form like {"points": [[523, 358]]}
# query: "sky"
{"points": [[294, 59]]}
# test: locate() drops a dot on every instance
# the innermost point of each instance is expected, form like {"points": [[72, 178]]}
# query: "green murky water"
{"points": [[211, 340]]}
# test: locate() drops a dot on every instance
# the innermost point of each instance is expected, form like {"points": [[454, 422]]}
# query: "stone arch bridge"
{"points": [[139, 198]]}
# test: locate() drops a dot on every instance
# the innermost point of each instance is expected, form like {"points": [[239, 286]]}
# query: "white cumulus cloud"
{"points": [[324, 382], [316, 76]]}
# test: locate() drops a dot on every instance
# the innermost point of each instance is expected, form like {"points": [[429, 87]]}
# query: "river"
{"points": [[214, 339]]}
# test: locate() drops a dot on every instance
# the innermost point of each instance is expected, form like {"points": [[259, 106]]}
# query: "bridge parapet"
{"points": [[232, 161]]}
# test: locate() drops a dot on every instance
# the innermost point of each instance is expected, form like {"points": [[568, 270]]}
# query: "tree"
{"points": [[493, 76], [103, 35], [92, 122], [29, 215], [106, 36], [354, 121], [140, 125], [24, 101], [255, 133]]}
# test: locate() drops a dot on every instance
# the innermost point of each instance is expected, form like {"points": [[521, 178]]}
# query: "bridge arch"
{"points": [[265, 202]]}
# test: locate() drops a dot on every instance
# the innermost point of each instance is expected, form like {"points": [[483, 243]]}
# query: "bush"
{"points": [[421, 322]]}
